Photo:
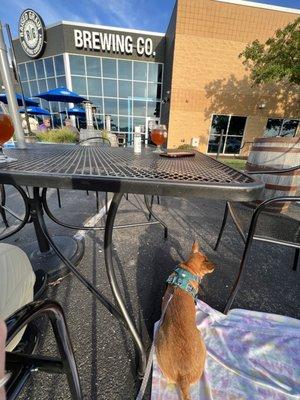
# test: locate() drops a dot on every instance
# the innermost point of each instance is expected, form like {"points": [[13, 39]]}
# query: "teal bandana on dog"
{"points": [[181, 278]]}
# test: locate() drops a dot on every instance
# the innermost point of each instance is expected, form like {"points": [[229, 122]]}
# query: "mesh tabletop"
{"points": [[119, 169]]}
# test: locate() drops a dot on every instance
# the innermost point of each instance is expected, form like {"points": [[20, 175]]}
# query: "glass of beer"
{"points": [[6, 133], [158, 136]]}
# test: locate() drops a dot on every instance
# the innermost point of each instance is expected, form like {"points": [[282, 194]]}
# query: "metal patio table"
{"points": [[120, 171]]}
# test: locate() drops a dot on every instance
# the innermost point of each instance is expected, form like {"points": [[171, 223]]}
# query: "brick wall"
{"points": [[209, 78]]}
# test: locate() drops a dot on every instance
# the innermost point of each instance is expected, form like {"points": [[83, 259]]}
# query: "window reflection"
{"points": [[154, 72], [31, 70], [140, 89], [61, 81], [77, 65], [39, 65], [22, 72], [154, 91], [94, 86], [125, 89], [49, 66], [281, 127], [109, 68], [139, 108], [124, 124], [110, 87], [110, 106], [79, 85], [59, 65], [93, 66], [231, 129], [125, 69], [125, 107], [139, 71]]}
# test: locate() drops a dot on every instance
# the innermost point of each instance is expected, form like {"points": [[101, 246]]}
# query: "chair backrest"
{"points": [[96, 141]]}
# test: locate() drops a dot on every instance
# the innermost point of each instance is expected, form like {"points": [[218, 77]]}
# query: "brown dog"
{"points": [[180, 348]]}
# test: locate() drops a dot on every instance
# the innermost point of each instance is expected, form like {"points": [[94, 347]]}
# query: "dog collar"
{"points": [[181, 278]]}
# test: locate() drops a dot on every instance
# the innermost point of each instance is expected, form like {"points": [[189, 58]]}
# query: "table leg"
{"points": [[41, 255], [113, 282]]}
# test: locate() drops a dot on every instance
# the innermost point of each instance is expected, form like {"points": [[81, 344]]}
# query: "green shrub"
{"points": [[62, 135], [186, 147]]}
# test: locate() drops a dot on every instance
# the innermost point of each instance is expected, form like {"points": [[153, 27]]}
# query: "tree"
{"points": [[278, 59]]}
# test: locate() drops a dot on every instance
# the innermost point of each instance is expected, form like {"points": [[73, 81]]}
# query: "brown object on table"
{"points": [[177, 154]]}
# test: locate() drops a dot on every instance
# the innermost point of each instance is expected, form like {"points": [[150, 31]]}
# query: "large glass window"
{"points": [[49, 67], [94, 87], [59, 65], [110, 106], [61, 81], [109, 68], [23, 72], [281, 127], [42, 85], [125, 69], [34, 88], [79, 85], [31, 70], [153, 109], [51, 83], [139, 108], [25, 86], [125, 89], [154, 72], [39, 65], [139, 71], [110, 87], [123, 124], [154, 91], [97, 101], [140, 89], [77, 65], [231, 129], [125, 107], [93, 66]]}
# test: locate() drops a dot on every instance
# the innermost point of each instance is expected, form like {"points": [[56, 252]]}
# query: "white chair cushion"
{"points": [[16, 283]]}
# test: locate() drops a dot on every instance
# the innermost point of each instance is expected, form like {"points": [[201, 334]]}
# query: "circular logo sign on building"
{"points": [[32, 33]]}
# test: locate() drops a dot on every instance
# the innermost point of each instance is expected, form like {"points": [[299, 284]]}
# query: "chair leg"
{"points": [[222, 227], [151, 205], [58, 198], [97, 201], [158, 200], [296, 259], [106, 202], [244, 260], [3, 201]]}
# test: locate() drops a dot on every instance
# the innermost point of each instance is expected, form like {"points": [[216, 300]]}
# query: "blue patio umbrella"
{"points": [[35, 111], [61, 94], [77, 111], [28, 101]]}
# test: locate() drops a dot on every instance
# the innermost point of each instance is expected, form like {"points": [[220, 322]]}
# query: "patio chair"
{"points": [[21, 362], [18, 285], [262, 225]]}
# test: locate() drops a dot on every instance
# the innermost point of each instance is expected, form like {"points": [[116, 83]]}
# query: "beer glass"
{"points": [[158, 136], [6, 133]]}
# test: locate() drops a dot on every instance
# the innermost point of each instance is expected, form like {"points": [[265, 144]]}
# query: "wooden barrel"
{"points": [[273, 154]]}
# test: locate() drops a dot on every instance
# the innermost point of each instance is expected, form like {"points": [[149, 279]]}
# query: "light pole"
{"points": [[10, 92]]}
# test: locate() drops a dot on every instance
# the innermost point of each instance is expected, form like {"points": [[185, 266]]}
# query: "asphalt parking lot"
{"points": [[143, 260]]}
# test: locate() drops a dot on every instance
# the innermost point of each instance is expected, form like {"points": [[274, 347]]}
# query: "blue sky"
{"points": [[150, 15]]}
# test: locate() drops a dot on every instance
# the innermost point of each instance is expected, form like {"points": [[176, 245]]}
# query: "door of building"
{"points": [[231, 128]]}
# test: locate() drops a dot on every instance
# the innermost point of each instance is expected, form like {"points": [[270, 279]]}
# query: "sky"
{"points": [[150, 15]]}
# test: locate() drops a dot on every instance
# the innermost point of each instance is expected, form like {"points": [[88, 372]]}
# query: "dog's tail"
{"points": [[184, 387]]}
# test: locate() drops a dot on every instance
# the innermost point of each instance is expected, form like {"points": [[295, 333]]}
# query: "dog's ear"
{"points": [[195, 247], [209, 267]]}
